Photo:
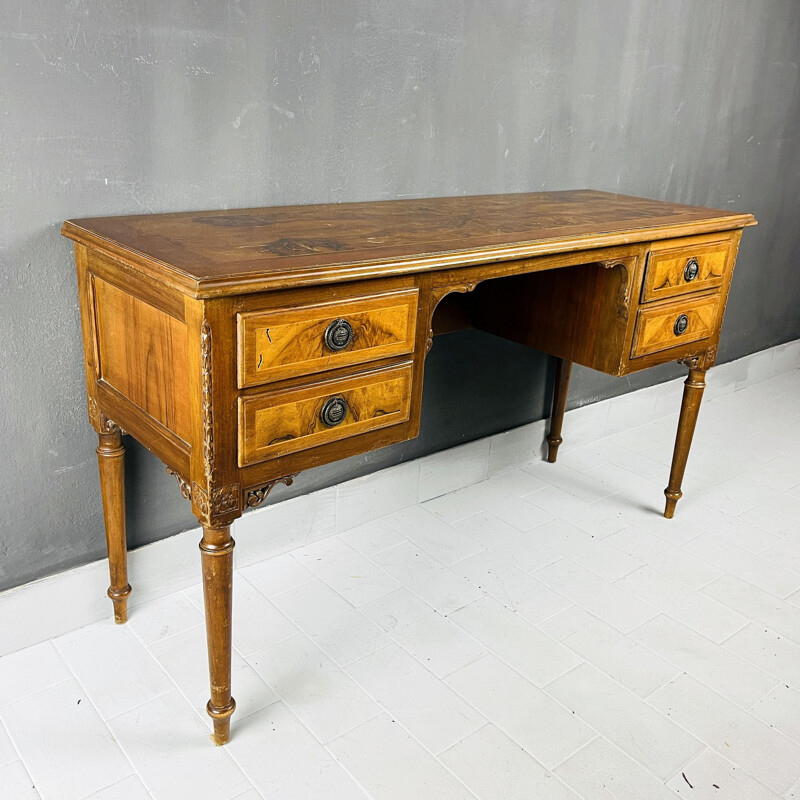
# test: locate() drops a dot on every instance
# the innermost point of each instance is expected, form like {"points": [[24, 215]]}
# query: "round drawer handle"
{"points": [[691, 270], [338, 335], [334, 410], [681, 324]]}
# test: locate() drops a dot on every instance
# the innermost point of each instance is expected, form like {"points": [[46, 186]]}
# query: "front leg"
{"points": [[216, 548], [111, 461], [560, 389], [692, 395]]}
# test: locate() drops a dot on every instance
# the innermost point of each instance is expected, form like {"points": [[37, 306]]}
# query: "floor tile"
{"points": [[621, 658], [769, 650], [392, 766], [64, 743], [163, 618], [626, 720], [547, 730], [278, 755], [595, 520], [131, 788], [276, 575], [497, 536], [455, 506], [772, 521], [708, 662], [30, 671], [785, 554], [431, 638], [605, 600], [702, 614], [8, 752], [710, 776], [601, 771], [257, 623], [16, 782], [172, 752], [495, 767], [453, 469], [346, 571], [372, 538], [440, 540], [326, 700], [510, 586], [780, 709], [113, 666], [428, 709], [521, 645], [184, 659], [427, 578], [733, 733], [734, 530], [585, 486], [511, 508]]}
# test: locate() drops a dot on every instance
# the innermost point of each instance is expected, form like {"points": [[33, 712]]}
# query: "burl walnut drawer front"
{"points": [[278, 423], [289, 342], [680, 266], [666, 325]]}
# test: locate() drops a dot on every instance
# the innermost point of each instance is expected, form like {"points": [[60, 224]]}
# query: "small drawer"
{"points": [[289, 342], [279, 423], [680, 266], [666, 325]]}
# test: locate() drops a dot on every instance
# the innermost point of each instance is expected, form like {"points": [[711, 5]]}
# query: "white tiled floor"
{"points": [[544, 634]]}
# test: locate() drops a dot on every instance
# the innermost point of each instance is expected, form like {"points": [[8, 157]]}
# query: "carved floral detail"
{"points": [[208, 419], [223, 500], [255, 497], [183, 486], [704, 360]]}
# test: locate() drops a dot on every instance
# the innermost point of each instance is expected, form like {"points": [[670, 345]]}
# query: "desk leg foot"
{"points": [[216, 550], [563, 372], [692, 395], [111, 461]]}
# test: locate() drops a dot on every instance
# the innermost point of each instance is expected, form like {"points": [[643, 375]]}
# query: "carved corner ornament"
{"points": [[437, 294], [623, 294], [183, 486], [220, 506], [255, 497], [703, 360], [100, 422]]}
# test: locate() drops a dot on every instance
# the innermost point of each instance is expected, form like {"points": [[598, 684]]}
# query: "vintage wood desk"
{"points": [[242, 347]]}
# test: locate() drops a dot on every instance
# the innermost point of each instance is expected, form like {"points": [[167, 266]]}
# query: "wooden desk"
{"points": [[242, 347]]}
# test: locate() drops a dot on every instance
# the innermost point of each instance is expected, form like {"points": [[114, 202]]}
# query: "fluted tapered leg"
{"points": [[216, 548], [111, 461], [563, 371], [692, 395]]}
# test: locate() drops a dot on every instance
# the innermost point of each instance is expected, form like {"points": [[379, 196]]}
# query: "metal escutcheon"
{"points": [[333, 411], [681, 324], [338, 335], [691, 270]]}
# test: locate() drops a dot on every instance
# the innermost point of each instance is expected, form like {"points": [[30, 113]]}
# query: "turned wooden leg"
{"points": [[217, 557], [111, 460], [692, 395], [563, 371]]}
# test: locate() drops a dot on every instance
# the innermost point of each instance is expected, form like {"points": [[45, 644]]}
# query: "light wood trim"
{"points": [[279, 423], [654, 324], [666, 263], [288, 342]]}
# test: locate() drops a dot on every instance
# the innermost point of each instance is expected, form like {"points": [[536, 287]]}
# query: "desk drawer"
{"points": [[275, 424], [666, 325], [289, 342], [674, 268]]}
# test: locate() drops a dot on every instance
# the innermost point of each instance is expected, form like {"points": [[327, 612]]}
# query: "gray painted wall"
{"points": [[125, 107]]}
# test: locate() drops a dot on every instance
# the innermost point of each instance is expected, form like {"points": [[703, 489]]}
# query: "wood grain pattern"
{"points": [[272, 425], [666, 265], [143, 355], [655, 324], [290, 342], [209, 253]]}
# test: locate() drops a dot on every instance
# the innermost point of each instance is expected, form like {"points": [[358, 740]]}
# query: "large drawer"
{"points": [[286, 342], [666, 325], [684, 265], [277, 423]]}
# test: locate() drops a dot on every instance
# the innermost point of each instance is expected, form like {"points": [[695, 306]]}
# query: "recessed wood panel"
{"points": [[275, 424], [655, 325], [288, 342], [667, 264], [143, 355]]}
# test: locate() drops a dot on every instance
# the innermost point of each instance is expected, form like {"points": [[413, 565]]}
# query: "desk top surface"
{"points": [[207, 253]]}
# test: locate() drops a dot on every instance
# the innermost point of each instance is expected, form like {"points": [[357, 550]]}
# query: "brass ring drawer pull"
{"points": [[338, 335], [334, 410], [691, 270], [681, 324]]}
